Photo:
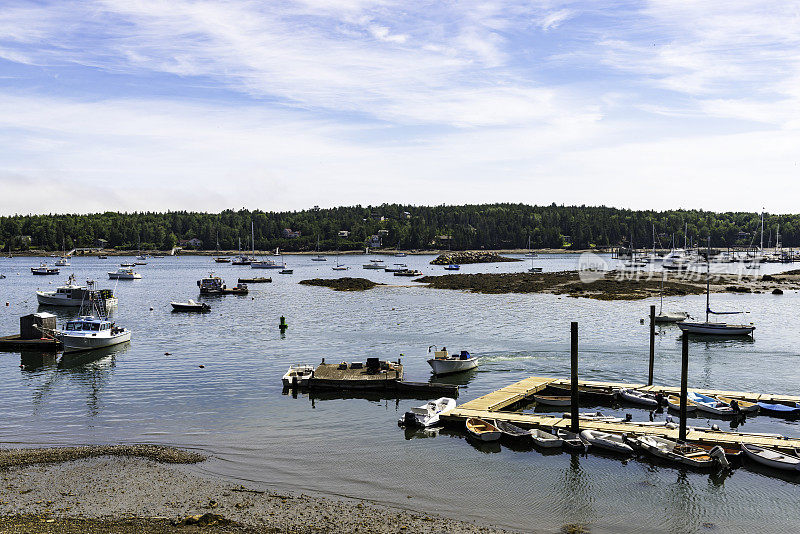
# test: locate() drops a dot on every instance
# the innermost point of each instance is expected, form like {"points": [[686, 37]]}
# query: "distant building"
{"points": [[373, 241], [289, 234], [377, 217], [344, 233], [102, 243], [193, 242], [406, 215], [383, 232]]}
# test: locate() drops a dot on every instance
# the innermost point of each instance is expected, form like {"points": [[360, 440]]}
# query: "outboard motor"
{"points": [[628, 417], [735, 407], [409, 419], [718, 454]]}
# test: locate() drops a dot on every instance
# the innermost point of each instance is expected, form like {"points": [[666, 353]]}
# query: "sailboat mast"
{"points": [[708, 278], [253, 238], [762, 230]]}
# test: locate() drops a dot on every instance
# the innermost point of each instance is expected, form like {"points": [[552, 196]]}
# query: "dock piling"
{"points": [[684, 380], [574, 419], [652, 343]]}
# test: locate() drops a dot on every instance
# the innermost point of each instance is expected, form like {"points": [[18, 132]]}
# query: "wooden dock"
{"points": [[491, 406], [16, 343]]}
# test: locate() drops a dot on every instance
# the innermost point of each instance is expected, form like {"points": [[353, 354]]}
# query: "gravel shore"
{"points": [[95, 492]]}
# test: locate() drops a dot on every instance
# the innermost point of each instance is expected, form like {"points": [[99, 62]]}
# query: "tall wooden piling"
{"points": [[652, 344], [574, 423], [684, 380]]}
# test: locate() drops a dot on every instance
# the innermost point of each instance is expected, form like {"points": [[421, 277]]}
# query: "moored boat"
{"points": [[511, 431], [428, 414], [73, 295], [572, 440], [408, 272], [607, 440], [44, 269], [214, 285], [452, 267], [482, 430], [298, 376], [638, 397], [545, 440], [710, 404], [742, 405], [190, 306], [771, 458], [92, 330], [674, 403], [682, 453], [552, 400], [778, 409], [286, 271], [257, 280], [124, 273], [444, 363]]}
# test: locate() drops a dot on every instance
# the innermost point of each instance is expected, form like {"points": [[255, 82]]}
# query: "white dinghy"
{"points": [[638, 397], [682, 453], [298, 376], [772, 458], [607, 440], [428, 414], [545, 440]]}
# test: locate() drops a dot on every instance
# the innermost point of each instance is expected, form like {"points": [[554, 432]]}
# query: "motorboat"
{"points": [[771, 457], [452, 267], [127, 264], [638, 397], [62, 262], [44, 269], [444, 363], [298, 376], [190, 306], [397, 268], [607, 440], [92, 330], [124, 273], [682, 453], [266, 264], [376, 260], [340, 268], [286, 271], [587, 393], [374, 266], [572, 440], [214, 285], [552, 400], [242, 260], [428, 414], [710, 404], [778, 409], [222, 259], [482, 430], [545, 440], [535, 270], [73, 295], [408, 272], [257, 280], [674, 403]]}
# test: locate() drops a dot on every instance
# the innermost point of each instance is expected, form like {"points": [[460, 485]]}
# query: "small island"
{"points": [[342, 284], [467, 256]]}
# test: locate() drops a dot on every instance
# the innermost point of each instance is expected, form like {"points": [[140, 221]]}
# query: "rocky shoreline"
{"points": [[130, 494]]}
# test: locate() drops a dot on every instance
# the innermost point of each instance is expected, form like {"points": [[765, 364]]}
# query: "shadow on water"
{"points": [[459, 379], [78, 360], [37, 361]]}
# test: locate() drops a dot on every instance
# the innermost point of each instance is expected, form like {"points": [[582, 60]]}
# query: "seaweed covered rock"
{"points": [[342, 284], [464, 257]]}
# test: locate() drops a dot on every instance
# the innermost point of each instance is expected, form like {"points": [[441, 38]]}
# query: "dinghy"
{"points": [[545, 440], [428, 414], [607, 441], [781, 410], [550, 400], [709, 404], [596, 416], [511, 431], [674, 403], [682, 453], [638, 397], [571, 440], [587, 393], [743, 405], [190, 306], [481, 430], [772, 458]]}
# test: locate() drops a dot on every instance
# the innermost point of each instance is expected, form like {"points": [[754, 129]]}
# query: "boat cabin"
{"points": [[88, 324], [211, 284]]}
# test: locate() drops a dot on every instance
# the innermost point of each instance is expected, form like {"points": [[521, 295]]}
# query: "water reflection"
{"points": [[36, 361]]}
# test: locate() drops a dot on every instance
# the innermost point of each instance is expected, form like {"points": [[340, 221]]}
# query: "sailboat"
{"points": [[261, 264], [241, 260], [668, 317], [319, 257], [534, 269], [221, 259], [339, 266], [530, 253], [713, 328]]}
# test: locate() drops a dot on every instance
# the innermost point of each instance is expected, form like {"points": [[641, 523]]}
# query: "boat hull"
{"points": [[446, 367], [716, 329], [46, 298], [82, 343]]}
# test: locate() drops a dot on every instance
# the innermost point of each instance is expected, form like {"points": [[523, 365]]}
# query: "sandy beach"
{"points": [[135, 490]]}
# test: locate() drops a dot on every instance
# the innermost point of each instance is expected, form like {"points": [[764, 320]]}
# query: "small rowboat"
{"points": [[772, 458], [511, 431], [638, 397], [743, 405], [571, 440], [710, 404], [481, 430], [545, 439], [781, 410], [682, 453], [607, 440], [190, 306], [730, 454], [549, 400], [286, 271], [674, 403]]}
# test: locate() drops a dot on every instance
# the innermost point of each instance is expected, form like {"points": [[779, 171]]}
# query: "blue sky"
{"points": [[153, 105]]}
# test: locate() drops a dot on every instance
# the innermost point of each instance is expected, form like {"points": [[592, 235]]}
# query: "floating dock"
{"points": [[492, 406], [389, 376], [16, 343]]}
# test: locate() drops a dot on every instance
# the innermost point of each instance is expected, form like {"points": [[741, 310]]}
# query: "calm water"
{"points": [[234, 407]]}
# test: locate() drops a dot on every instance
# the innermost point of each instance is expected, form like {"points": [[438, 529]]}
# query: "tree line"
{"points": [[483, 226]]}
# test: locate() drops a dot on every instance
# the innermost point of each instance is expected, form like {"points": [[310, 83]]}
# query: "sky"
{"points": [[207, 105]]}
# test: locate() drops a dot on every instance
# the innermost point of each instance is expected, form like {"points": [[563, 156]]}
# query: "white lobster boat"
{"points": [[124, 273], [444, 363], [92, 330], [74, 295]]}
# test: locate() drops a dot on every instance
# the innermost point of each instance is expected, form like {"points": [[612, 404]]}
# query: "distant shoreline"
{"points": [[231, 253]]}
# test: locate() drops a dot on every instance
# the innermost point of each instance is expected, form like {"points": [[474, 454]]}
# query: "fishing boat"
{"points": [[545, 440], [214, 285], [710, 404], [408, 272], [190, 306], [607, 440], [428, 414], [771, 458], [778, 409], [452, 267], [374, 266], [511, 431], [127, 264], [286, 271], [298, 376], [257, 280], [742, 405], [319, 257], [715, 329], [43, 269], [124, 273], [682, 453], [551, 400], [444, 363], [674, 403], [481, 430], [72, 294], [92, 330], [572, 440], [265, 264], [638, 397], [397, 268]]}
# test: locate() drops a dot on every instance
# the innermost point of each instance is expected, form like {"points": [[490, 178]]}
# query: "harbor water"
{"points": [[211, 382]]}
